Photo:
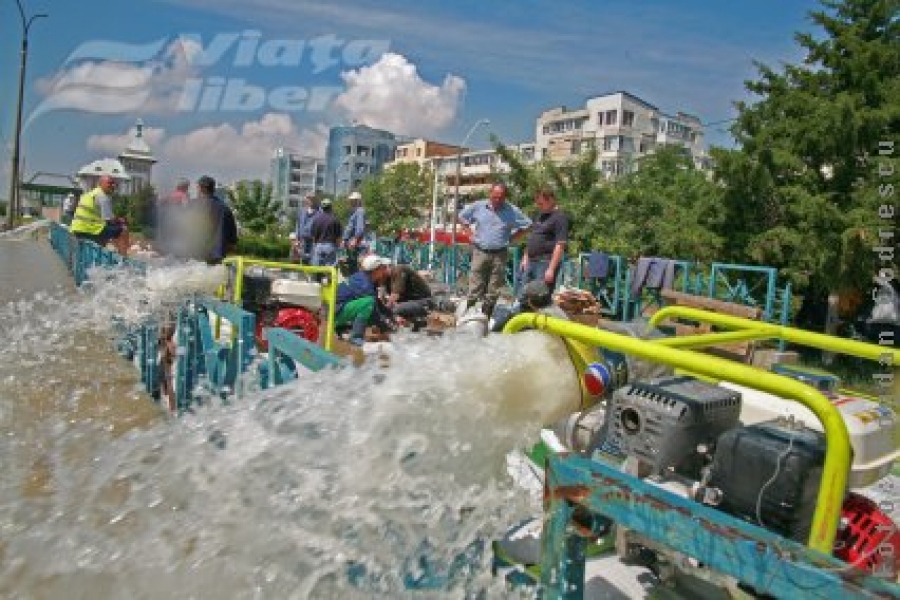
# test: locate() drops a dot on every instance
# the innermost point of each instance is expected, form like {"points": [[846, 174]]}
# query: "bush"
{"points": [[267, 247]]}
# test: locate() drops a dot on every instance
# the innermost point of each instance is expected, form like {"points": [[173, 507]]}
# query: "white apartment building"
{"points": [[294, 176], [622, 127]]}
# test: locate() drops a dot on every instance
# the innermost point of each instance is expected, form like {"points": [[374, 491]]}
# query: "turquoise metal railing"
{"points": [[741, 284], [203, 365]]}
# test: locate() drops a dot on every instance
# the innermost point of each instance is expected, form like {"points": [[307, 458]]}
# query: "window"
{"points": [[612, 143], [611, 117], [627, 118]]}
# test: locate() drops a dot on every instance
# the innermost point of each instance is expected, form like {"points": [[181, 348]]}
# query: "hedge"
{"points": [[267, 247]]}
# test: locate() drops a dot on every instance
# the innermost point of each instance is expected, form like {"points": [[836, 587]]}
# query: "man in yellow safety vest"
{"points": [[94, 219]]}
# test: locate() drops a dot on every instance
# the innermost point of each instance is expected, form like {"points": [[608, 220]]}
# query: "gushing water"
{"points": [[353, 483]]}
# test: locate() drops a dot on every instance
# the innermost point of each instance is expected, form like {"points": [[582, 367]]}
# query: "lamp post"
{"points": [[434, 202], [12, 206], [459, 154]]}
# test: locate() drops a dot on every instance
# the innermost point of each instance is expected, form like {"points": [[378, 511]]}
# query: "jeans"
{"points": [[413, 309], [535, 271], [324, 255]]}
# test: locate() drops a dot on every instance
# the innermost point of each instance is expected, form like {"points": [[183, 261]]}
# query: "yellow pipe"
{"points": [[837, 451], [789, 334], [329, 292], [711, 339]]}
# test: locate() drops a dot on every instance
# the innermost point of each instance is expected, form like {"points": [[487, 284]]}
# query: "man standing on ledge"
{"points": [[497, 223], [547, 241], [355, 232], [94, 219]]}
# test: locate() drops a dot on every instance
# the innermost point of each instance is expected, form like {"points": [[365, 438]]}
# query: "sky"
{"points": [[219, 84]]}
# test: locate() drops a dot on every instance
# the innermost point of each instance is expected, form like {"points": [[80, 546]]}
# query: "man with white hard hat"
{"points": [[355, 232], [357, 298]]}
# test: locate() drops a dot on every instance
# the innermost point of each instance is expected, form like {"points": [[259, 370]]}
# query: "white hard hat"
{"points": [[373, 261], [355, 196]]}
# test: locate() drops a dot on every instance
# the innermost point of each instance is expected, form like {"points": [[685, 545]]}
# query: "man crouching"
{"points": [[357, 298]]}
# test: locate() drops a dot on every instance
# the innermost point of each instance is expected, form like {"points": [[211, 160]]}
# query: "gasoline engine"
{"points": [[702, 441], [278, 301]]}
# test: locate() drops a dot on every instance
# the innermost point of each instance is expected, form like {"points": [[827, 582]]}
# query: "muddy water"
{"points": [[359, 483]]}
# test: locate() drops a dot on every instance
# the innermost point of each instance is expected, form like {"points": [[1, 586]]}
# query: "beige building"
{"points": [[422, 151], [622, 127]]}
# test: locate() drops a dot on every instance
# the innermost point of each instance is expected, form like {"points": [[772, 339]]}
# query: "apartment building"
{"points": [[477, 170], [294, 176], [622, 128], [422, 151], [355, 153]]}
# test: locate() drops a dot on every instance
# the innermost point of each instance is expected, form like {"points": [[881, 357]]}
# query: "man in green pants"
{"points": [[357, 297]]}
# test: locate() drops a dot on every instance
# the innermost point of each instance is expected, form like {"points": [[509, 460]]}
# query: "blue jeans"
{"points": [[536, 270], [324, 255]]}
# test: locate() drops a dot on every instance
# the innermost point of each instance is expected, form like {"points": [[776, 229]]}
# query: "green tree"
{"points": [[399, 198], [801, 192], [137, 208], [666, 207], [254, 207]]}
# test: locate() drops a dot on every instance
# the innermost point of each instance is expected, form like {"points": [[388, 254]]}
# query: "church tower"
{"points": [[138, 161]]}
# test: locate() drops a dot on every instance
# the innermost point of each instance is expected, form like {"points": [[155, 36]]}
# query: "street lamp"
{"points": [[12, 205], [434, 202], [459, 154]]}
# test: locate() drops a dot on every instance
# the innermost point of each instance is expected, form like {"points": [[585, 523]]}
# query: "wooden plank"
{"points": [[730, 308], [740, 351]]}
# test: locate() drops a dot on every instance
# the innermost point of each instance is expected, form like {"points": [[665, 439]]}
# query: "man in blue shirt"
{"points": [[497, 223], [305, 217], [357, 298], [355, 232]]}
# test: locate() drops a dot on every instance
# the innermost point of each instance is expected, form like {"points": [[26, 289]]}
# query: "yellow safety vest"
{"points": [[87, 215]]}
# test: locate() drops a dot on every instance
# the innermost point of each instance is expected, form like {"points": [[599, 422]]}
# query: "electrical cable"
{"points": [[772, 479]]}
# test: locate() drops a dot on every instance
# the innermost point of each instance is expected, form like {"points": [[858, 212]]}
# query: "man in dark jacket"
{"points": [[326, 235], [357, 297], [409, 295]]}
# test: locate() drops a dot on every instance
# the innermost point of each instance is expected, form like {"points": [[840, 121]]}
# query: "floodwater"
{"points": [[358, 483]]}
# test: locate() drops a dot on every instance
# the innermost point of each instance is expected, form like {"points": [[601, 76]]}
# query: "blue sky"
{"points": [[422, 68]]}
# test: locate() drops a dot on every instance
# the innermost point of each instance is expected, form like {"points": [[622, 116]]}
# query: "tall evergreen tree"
{"points": [[802, 190]]}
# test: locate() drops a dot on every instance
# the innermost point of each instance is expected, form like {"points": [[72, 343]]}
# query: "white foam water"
{"points": [[355, 483]]}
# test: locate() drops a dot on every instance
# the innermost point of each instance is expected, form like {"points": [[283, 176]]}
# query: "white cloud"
{"points": [[228, 153], [224, 151], [112, 144], [390, 94], [115, 78]]}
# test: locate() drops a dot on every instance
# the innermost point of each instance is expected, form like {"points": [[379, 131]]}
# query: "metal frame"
{"points": [[764, 560], [768, 562], [329, 290], [285, 345], [837, 454]]}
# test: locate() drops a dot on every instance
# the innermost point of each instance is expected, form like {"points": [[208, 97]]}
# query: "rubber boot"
{"points": [[358, 332]]}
